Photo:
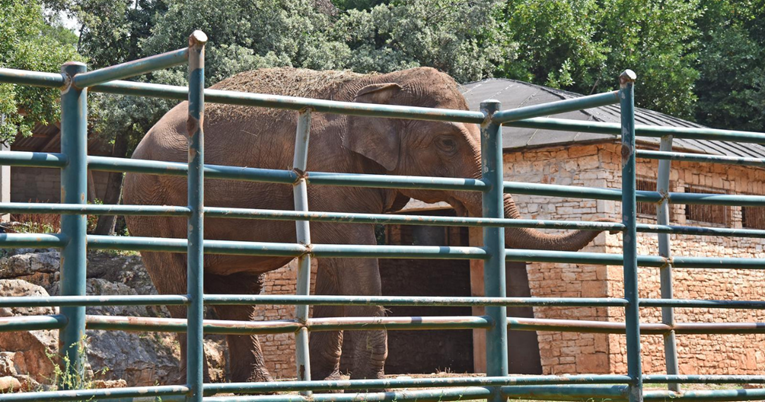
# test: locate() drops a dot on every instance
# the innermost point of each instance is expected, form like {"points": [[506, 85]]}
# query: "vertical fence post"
{"points": [[665, 250], [494, 242], [195, 267], [629, 219], [74, 190], [300, 193]]}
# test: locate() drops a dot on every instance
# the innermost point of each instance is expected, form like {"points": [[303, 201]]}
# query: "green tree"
{"points": [[731, 87], [583, 45], [556, 42], [29, 42], [460, 38], [658, 40]]}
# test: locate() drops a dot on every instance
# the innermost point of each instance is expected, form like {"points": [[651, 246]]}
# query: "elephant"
{"points": [[264, 138]]}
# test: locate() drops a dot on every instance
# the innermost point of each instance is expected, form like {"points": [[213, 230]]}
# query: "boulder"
{"points": [[26, 352], [115, 357], [40, 267]]}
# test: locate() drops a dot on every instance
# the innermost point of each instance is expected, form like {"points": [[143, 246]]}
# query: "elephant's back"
{"points": [[284, 81]]}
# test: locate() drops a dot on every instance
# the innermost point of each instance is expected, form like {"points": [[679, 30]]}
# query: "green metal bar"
{"points": [[228, 327], [704, 379], [294, 103], [74, 190], [546, 109], [33, 240], [428, 252], [211, 300], [684, 303], [341, 217], [611, 327], [195, 356], [226, 299], [436, 395], [132, 68], [97, 394], [641, 196], [32, 323], [111, 164], [397, 182], [413, 182], [665, 250], [33, 159], [567, 392], [33, 78], [494, 243], [134, 300], [614, 129], [470, 301], [700, 231], [96, 242], [303, 236], [714, 395], [701, 158], [448, 382], [95, 209], [629, 219]]}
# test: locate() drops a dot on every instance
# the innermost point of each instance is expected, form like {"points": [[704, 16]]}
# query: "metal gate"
{"points": [[75, 82]]}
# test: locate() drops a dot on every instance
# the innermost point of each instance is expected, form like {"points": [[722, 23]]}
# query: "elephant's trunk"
{"points": [[527, 238]]}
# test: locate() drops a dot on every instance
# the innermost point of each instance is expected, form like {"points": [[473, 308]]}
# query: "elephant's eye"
{"points": [[447, 144]]}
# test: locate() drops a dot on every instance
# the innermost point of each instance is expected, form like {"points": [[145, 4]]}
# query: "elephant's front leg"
{"points": [[326, 347], [370, 348]]}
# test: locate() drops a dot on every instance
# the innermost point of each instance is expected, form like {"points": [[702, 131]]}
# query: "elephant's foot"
{"points": [[335, 376], [374, 376], [260, 375]]}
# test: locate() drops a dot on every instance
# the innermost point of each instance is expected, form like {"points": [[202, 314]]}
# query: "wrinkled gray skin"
{"points": [[256, 137]]}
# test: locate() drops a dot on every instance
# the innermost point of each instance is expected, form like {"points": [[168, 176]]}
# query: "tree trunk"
{"points": [[106, 223]]}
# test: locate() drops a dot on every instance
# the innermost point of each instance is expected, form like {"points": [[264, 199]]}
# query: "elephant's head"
{"points": [[439, 149]]}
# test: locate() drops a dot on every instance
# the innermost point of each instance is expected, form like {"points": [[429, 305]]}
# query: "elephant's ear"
{"points": [[374, 138]]}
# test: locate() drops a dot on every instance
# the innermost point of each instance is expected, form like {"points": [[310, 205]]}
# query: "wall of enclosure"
{"points": [[44, 185], [598, 165]]}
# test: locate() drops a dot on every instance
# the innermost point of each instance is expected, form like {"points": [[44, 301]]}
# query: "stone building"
{"points": [[578, 159]]}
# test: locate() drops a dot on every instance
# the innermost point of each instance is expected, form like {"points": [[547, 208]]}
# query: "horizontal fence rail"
{"points": [[75, 82]]}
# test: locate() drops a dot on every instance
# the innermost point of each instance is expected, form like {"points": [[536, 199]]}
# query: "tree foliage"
{"points": [[29, 42], [694, 58], [458, 37], [731, 63], [583, 45]]}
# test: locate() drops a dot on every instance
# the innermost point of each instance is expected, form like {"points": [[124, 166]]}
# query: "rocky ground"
{"points": [[116, 358]]}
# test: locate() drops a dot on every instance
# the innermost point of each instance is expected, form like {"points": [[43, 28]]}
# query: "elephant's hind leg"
{"points": [[168, 273], [246, 363]]}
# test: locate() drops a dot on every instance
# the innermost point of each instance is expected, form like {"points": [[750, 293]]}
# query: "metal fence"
{"points": [[75, 82]]}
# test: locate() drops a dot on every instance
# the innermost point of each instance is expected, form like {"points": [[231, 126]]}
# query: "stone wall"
{"points": [[599, 166]]}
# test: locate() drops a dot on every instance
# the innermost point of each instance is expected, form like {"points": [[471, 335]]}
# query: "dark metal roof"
{"points": [[514, 94]]}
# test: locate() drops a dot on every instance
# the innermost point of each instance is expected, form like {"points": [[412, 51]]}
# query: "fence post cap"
{"points": [[627, 76], [197, 38]]}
